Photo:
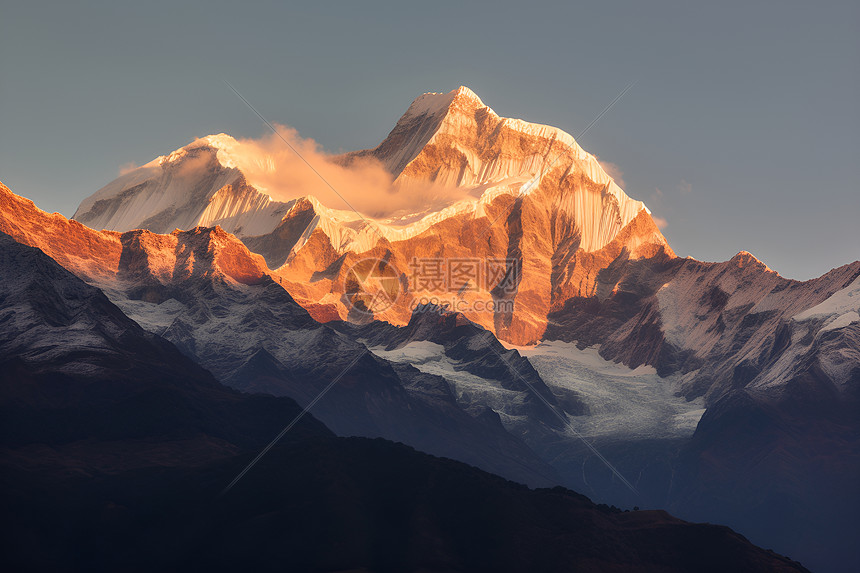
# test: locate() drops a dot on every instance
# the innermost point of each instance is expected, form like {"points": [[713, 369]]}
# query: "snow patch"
{"points": [[842, 305], [622, 402]]}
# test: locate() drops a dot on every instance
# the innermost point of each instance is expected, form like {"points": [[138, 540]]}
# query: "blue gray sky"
{"points": [[741, 131]]}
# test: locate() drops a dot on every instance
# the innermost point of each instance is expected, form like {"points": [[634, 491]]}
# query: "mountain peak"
{"points": [[436, 104], [746, 258], [466, 92]]}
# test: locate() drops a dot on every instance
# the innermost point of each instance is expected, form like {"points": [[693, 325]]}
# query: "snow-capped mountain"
{"points": [[194, 186], [689, 376], [528, 194], [453, 139], [450, 139]]}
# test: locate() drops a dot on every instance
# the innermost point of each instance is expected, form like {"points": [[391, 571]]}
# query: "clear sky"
{"points": [[742, 131]]}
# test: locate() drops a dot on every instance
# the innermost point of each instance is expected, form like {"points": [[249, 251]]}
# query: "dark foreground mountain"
{"points": [[346, 504], [115, 447]]}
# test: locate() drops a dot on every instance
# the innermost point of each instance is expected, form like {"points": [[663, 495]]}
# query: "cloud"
{"points": [[685, 187], [364, 184], [656, 196], [127, 168], [614, 171]]}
